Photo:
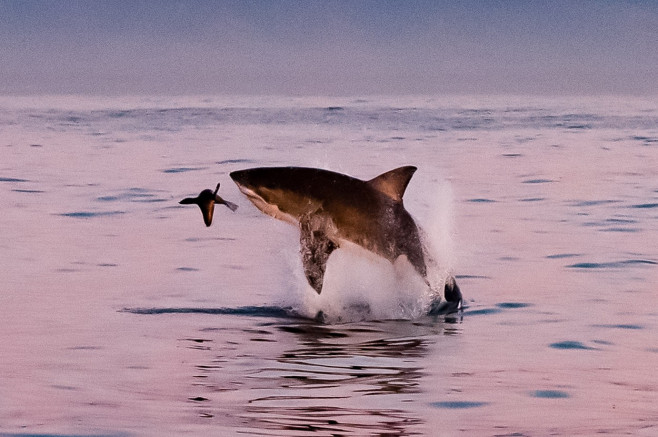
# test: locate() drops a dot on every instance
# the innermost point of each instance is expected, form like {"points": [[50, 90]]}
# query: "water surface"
{"points": [[124, 315]]}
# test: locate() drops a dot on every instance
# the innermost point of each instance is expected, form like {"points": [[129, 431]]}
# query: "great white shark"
{"points": [[331, 208]]}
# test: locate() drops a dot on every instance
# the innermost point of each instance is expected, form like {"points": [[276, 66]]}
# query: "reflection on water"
{"points": [[316, 383]]}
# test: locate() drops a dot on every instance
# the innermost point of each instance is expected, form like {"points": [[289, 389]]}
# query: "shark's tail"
{"points": [[452, 292], [452, 302]]}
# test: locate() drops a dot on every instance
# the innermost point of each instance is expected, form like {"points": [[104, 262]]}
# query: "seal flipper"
{"points": [[315, 250]]}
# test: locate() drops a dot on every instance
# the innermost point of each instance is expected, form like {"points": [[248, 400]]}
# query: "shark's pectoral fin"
{"points": [[315, 250]]}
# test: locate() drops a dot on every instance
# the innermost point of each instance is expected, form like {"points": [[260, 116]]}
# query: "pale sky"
{"points": [[346, 47]]}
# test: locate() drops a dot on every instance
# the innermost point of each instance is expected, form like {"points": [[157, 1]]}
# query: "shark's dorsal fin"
{"points": [[393, 183]]}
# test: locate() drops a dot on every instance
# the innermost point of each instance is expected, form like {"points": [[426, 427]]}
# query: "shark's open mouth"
{"points": [[266, 207], [251, 194]]}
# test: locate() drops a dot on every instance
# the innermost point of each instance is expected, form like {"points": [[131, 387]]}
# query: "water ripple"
{"points": [[570, 344], [612, 265], [550, 394], [91, 214], [454, 405], [253, 311]]}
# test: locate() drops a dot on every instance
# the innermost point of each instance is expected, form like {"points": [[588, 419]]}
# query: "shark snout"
{"points": [[240, 177], [244, 181]]}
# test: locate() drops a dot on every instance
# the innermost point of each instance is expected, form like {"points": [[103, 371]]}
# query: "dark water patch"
{"points": [[134, 194], [482, 311], [72, 119], [207, 367], [570, 344], [612, 265], [234, 267], [108, 198], [472, 277], [313, 331], [620, 326], [197, 344], [434, 128], [267, 340], [85, 348], [28, 191], [64, 435], [235, 161], [476, 111], [563, 255], [550, 394], [645, 206], [585, 203], [532, 199], [538, 181], [328, 420], [61, 387], [183, 169], [187, 269], [621, 221], [524, 140], [458, 405], [198, 340], [4, 179], [198, 239], [250, 311], [647, 141], [513, 305], [512, 155], [619, 229], [481, 200], [120, 114], [36, 145], [334, 108], [90, 214]]}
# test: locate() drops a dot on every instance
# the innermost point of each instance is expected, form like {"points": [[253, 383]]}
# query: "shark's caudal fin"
{"points": [[393, 183]]}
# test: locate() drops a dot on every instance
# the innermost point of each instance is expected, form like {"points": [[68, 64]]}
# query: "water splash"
{"points": [[359, 285]]}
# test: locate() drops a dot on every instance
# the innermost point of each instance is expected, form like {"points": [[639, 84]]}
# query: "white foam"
{"points": [[359, 285]]}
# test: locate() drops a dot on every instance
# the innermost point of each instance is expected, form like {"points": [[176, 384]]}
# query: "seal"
{"points": [[206, 201]]}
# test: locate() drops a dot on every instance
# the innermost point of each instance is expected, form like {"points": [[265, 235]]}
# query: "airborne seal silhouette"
{"points": [[206, 201]]}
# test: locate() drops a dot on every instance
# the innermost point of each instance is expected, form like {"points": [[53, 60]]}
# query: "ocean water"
{"points": [[123, 315]]}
